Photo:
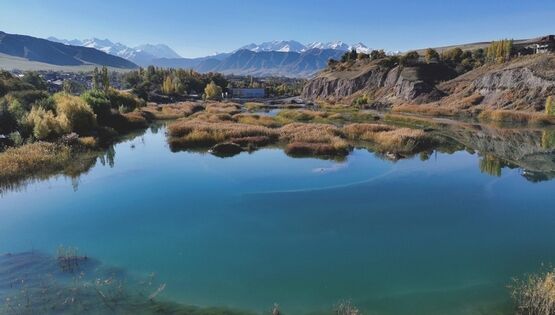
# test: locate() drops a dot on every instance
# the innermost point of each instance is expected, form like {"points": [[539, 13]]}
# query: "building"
{"points": [[248, 93], [540, 45]]}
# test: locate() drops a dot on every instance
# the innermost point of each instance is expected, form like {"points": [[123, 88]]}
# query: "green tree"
{"points": [[213, 91], [99, 103], [96, 84], [105, 79]]}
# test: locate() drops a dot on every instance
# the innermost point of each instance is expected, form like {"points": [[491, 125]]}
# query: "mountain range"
{"points": [[141, 55], [275, 58], [28, 48]]}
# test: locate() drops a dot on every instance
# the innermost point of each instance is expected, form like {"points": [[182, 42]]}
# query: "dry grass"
{"points": [[512, 116], [301, 115], [535, 295], [198, 133], [223, 108], [390, 139], [255, 119], [88, 142], [358, 131], [313, 139], [253, 105], [38, 157], [172, 111], [425, 109]]}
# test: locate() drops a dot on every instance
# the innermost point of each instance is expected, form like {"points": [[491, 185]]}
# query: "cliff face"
{"points": [[522, 84]]}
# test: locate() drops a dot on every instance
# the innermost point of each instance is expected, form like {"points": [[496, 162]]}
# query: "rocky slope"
{"points": [[522, 84]]}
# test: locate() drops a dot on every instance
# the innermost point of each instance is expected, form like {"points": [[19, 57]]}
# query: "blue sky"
{"points": [[197, 28]]}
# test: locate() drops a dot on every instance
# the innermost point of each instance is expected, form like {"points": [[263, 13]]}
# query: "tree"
{"points": [[409, 58], [96, 85], [362, 56], [35, 80], [453, 55], [431, 55], [500, 51], [105, 79], [377, 54], [213, 91]]}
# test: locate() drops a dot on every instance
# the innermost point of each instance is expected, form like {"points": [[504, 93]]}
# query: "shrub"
{"points": [[26, 98], [126, 101], [409, 58], [361, 100], [99, 103], [8, 122], [74, 114], [43, 123]]}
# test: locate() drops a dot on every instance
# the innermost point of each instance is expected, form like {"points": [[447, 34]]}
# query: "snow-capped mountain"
{"points": [[158, 50], [295, 46], [276, 45], [141, 55]]}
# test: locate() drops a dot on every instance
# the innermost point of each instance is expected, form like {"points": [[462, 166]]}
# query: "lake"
{"points": [[438, 233]]}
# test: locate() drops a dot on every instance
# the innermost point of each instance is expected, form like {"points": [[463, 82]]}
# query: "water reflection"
{"points": [[531, 149]]}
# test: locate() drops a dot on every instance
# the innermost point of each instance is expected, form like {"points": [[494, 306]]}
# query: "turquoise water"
{"points": [[406, 237]]}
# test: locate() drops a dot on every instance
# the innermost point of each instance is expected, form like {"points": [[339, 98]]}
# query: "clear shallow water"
{"points": [[418, 237]]}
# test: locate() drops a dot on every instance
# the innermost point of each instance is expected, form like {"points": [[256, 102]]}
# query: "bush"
{"points": [[124, 100], [99, 103], [8, 123], [43, 123], [409, 58], [74, 114], [26, 98]]}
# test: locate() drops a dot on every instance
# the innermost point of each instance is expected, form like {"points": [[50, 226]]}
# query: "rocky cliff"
{"points": [[523, 84]]}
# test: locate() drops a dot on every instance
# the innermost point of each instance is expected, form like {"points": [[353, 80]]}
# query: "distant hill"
{"points": [[44, 51], [261, 63]]}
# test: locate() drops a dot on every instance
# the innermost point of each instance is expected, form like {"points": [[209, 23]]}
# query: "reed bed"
{"points": [[255, 119], [513, 116], [390, 139], [223, 108], [172, 111], [199, 133], [313, 139], [31, 158]]}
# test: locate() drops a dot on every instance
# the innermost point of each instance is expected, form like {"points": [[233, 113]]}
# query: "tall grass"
{"points": [[390, 139], [255, 119], [313, 139], [196, 133], [513, 116], [535, 295], [17, 163], [172, 111]]}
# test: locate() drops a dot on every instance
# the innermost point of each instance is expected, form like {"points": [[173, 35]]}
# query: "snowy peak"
{"points": [[276, 45], [158, 50], [295, 46], [141, 54]]}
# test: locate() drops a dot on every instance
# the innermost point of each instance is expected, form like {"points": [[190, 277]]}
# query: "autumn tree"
{"points": [[212, 91]]}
